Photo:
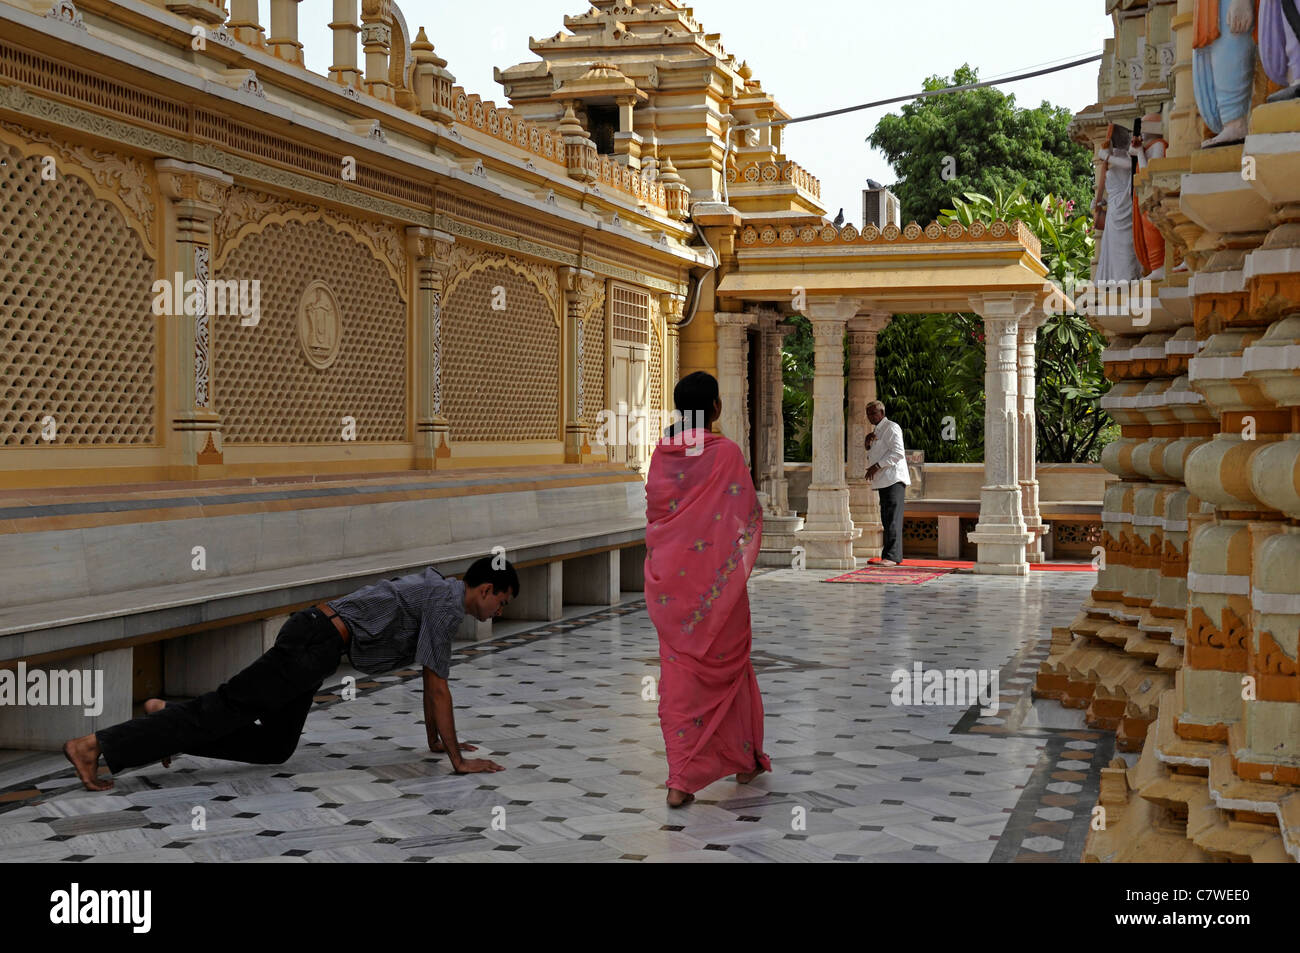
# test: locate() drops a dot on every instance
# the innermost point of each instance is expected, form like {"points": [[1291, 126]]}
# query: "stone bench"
{"points": [[130, 589]]}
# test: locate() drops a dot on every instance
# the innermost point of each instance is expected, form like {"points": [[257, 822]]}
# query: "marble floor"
{"points": [[856, 777]]}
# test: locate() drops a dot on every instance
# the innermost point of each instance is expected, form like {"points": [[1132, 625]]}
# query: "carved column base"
{"points": [[433, 442], [780, 537], [828, 532], [1001, 535], [1033, 523], [577, 448], [197, 436], [864, 509]]}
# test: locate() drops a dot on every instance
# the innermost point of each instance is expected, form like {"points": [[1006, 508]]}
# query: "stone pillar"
{"points": [[828, 532], [1001, 534], [193, 425], [673, 307], [864, 502], [733, 376], [284, 31], [376, 39], [243, 23], [345, 29], [576, 296], [1027, 442], [780, 524], [430, 250]]}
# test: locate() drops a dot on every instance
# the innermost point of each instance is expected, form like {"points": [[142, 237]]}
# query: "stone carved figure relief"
{"points": [[1148, 243], [319, 325], [1279, 46], [1112, 207], [1223, 66]]}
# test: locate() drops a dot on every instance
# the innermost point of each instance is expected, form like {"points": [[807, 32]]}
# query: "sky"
{"points": [[813, 56]]}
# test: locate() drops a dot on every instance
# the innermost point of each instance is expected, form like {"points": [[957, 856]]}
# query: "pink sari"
{"points": [[702, 540]]}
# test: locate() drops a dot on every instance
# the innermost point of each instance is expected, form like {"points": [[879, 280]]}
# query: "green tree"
{"points": [[993, 144], [1072, 427]]}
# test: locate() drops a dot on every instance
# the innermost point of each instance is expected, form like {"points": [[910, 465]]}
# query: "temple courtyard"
{"points": [[566, 707]]}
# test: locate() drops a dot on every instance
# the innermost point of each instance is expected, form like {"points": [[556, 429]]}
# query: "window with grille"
{"points": [[631, 315]]}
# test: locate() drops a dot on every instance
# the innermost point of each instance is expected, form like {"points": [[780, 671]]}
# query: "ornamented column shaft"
{"points": [[733, 376], [194, 427], [576, 445], [775, 483], [1001, 534], [430, 250], [1027, 442], [864, 502], [243, 22], [345, 29], [284, 31], [828, 532], [376, 40], [673, 307]]}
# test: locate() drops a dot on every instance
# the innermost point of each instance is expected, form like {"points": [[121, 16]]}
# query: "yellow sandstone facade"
{"points": [[1187, 647]]}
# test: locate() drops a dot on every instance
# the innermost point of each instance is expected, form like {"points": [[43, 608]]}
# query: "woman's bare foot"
{"points": [[83, 753], [678, 798], [155, 705], [748, 776]]}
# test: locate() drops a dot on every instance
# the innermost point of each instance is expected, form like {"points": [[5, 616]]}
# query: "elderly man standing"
{"points": [[887, 471]]}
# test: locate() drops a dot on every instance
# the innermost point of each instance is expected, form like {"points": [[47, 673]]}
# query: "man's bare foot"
{"points": [[83, 753], [678, 798], [155, 705], [748, 776]]}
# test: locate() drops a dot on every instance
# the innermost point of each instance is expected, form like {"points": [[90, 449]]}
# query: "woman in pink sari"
{"points": [[702, 539]]}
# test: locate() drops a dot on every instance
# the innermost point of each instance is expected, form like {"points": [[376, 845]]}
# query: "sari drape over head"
{"points": [[704, 526]]}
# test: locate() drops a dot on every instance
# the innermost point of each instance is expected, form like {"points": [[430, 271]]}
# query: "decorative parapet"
{"points": [[555, 146], [771, 173], [771, 233]]}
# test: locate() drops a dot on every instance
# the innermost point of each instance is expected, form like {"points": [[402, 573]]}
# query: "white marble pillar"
{"points": [[733, 376], [1027, 436], [828, 532], [1001, 535], [864, 502], [781, 525]]}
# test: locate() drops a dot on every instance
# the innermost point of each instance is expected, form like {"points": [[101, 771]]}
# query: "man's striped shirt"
{"points": [[399, 620]]}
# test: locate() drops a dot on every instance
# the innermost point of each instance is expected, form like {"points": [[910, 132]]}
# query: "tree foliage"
{"points": [[994, 144]]}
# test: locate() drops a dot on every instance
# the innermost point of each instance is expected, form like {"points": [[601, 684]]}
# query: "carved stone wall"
{"points": [[267, 389], [593, 349], [504, 385], [77, 334]]}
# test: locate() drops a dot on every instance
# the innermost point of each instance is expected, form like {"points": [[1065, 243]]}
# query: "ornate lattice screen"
{"points": [[265, 388], [631, 315], [593, 356], [501, 379], [656, 373], [77, 334]]}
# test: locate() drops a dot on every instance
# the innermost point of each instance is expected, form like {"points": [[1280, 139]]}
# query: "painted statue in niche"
{"points": [[1279, 46], [1223, 66], [1112, 209], [1149, 245]]}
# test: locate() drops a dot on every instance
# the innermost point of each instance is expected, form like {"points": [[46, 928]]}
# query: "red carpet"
{"points": [[962, 564], [895, 575]]}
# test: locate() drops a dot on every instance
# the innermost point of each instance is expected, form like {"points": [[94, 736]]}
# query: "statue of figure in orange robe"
{"points": [[1223, 66], [1148, 243]]}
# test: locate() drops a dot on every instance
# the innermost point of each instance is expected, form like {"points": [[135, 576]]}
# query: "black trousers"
{"points": [[891, 517], [276, 690]]}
